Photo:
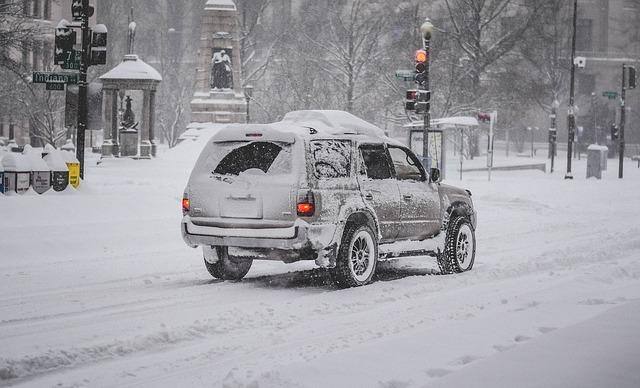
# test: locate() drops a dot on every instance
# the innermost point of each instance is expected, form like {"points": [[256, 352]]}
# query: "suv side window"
{"points": [[406, 165], [331, 158], [376, 161]]}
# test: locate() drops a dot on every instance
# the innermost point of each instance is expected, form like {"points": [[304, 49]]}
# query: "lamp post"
{"points": [[571, 118], [426, 29], [248, 93], [553, 131]]}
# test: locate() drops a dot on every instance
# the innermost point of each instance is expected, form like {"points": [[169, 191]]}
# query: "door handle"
{"points": [[407, 196], [368, 196]]}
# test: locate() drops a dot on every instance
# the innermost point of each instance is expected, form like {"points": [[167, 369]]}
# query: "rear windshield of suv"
{"points": [[331, 158], [257, 158]]}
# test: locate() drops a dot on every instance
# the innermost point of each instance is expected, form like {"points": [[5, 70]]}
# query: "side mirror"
{"points": [[434, 175]]}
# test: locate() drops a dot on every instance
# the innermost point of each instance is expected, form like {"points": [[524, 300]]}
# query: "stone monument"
{"points": [[218, 97]]}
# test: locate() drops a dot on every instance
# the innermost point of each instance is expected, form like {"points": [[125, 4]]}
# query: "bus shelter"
{"points": [[438, 136]]}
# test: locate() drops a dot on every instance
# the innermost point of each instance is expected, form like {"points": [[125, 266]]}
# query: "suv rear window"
{"points": [[237, 157], [331, 158]]}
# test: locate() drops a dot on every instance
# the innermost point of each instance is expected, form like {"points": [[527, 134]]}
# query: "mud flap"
{"points": [[327, 257]]}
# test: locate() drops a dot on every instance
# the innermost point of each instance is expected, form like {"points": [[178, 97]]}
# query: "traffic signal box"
{"points": [[64, 41]]}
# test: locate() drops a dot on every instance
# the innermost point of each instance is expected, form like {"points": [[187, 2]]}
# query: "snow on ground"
{"points": [[98, 289]]}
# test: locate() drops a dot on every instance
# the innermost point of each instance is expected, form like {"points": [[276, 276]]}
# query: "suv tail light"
{"points": [[185, 205], [306, 206]]}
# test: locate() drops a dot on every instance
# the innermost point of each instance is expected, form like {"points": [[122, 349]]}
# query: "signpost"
{"points": [[44, 77], [610, 95], [405, 75], [55, 85], [72, 61]]}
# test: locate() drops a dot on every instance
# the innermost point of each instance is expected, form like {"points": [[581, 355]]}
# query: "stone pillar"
{"points": [[115, 138], [145, 143], [107, 144], [152, 121]]}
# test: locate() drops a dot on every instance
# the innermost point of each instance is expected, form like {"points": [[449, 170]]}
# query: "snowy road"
{"points": [[98, 289]]}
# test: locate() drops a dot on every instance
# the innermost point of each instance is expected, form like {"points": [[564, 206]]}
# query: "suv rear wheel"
{"points": [[460, 247], [357, 257], [228, 267]]}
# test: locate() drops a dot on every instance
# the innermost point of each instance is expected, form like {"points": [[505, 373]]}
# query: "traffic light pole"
{"points": [[622, 122], [572, 118], [82, 87], [427, 114]]}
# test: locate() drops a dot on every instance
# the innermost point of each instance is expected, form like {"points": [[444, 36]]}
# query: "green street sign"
{"points": [[55, 85], [610, 95], [43, 77], [72, 60], [405, 75]]}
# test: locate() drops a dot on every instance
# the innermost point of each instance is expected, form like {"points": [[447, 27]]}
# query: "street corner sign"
{"points": [[610, 95], [405, 75], [45, 77], [55, 85]]}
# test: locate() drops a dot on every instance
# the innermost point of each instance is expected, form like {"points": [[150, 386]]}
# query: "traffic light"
{"points": [[484, 117], [631, 77], [421, 67], [64, 41], [614, 132], [410, 102], [99, 45], [77, 10]]}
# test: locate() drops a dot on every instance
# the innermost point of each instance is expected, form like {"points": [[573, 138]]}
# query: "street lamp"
{"points": [[571, 118], [248, 93], [553, 131], [426, 29]]}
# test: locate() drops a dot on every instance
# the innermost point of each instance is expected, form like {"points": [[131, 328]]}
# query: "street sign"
{"points": [[405, 75], [55, 85], [42, 77], [72, 60], [610, 95]]}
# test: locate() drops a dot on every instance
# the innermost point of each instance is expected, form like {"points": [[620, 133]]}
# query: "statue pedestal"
{"points": [[129, 143], [219, 106], [145, 149]]}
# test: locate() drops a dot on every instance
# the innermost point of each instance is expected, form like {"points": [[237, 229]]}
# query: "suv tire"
{"points": [[227, 267], [460, 247], [357, 256]]}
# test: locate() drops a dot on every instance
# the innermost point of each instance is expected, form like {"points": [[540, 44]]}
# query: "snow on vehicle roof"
{"points": [[334, 122], [132, 68], [297, 124]]}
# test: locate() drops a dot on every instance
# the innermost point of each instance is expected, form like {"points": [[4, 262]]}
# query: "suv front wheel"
{"points": [[460, 247], [357, 257]]}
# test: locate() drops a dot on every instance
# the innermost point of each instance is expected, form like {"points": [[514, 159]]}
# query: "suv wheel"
{"points": [[357, 257], [228, 267], [460, 247]]}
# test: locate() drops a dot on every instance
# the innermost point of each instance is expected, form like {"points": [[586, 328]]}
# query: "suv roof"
{"points": [[307, 124]]}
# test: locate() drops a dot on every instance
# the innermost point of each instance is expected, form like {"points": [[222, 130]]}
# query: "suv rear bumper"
{"points": [[292, 238]]}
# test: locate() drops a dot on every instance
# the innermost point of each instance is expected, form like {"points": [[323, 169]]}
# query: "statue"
{"points": [[128, 118], [221, 71]]}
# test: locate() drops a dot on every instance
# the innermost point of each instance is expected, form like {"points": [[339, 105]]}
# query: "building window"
{"points": [[26, 7], [47, 10], [584, 34], [37, 9]]}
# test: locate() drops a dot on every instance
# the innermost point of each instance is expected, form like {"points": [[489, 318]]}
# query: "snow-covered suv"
{"points": [[324, 186]]}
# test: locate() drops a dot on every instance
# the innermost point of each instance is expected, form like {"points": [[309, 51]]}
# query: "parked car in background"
{"points": [[324, 186]]}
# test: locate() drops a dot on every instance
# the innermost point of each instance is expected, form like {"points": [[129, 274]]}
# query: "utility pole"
{"points": [[572, 118], [426, 29], [553, 131], [82, 86], [622, 122]]}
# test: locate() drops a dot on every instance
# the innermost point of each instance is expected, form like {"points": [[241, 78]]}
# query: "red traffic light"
{"points": [[412, 94], [484, 117]]}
